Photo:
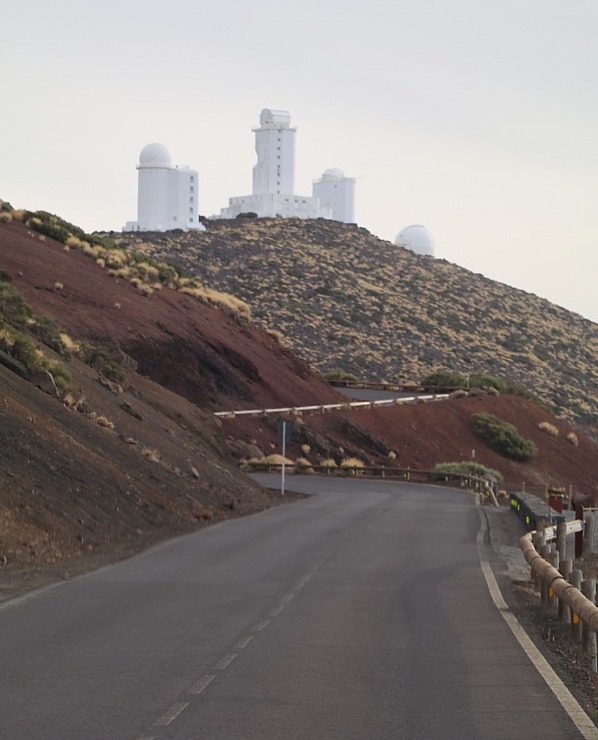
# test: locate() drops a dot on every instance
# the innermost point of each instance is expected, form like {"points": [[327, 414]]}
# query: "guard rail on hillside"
{"points": [[469, 482], [563, 587], [372, 385], [324, 408]]}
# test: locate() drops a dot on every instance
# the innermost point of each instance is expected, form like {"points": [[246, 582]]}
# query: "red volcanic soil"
{"points": [[211, 358], [424, 434]]}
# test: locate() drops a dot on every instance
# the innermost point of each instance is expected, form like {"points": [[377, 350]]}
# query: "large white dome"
{"points": [[416, 238], [155, 155]]}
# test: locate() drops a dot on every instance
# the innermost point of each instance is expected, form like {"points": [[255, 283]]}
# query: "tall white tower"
{"points": [[336, 192], [275, 149], [166, 195]]}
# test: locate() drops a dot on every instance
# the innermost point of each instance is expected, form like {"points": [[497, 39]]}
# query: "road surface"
{"points": [[361, 612]]}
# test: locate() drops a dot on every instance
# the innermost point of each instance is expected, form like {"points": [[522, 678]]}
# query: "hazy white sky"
{"points": [[477, 119]]}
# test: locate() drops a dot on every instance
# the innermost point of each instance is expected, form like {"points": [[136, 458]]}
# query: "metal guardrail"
{"points": [[324, 408]]}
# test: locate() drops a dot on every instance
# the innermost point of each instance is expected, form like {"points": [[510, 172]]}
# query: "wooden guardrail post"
{"points": [[561, 540], [575, 580], [588, 536], [554, 561], [545, 553], [564, 609], [588, 634]]}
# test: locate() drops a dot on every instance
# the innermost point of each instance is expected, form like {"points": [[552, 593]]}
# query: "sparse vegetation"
{"points": [[572, 439], [467, 468], [342, 375], [549, 428], [503, 438], [100, 358], [345, 299]]}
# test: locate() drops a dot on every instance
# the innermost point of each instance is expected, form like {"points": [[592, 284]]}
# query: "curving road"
{"points": [[360, 612]]}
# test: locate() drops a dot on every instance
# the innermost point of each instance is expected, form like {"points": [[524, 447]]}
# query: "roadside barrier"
{"points": [[324, 408], [411, 475], [562, 587]]}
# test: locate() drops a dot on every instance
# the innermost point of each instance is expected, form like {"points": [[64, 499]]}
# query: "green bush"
{"points": [[48, 331], [335, 375], [13, 306], [25, 352], [99, 357], [467, 468], [445, 380], [503, 438]]}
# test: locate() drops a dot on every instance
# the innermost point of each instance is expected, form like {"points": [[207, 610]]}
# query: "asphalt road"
{"points": [[361, 612]]}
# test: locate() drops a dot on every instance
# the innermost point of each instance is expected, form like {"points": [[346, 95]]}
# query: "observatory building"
{"points": [[274, 177], [416, 238], [336, 193], [166, 194]]}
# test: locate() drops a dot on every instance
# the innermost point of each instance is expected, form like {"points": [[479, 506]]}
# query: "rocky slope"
{"points": [[346, 299]]}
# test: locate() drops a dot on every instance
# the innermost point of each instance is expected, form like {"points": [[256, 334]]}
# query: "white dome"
{"points": [[155, 155], [416, 238], [332, 174]]}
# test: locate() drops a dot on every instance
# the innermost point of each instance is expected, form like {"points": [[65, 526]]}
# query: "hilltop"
{"points": [[342, 298]]}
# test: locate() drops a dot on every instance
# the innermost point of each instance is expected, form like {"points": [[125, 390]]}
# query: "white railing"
{"points": [[324, 408]]}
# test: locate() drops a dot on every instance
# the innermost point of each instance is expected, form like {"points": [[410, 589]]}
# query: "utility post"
{"points": [[285, 432]]}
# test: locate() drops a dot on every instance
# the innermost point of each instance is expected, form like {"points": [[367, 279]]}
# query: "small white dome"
{"points": [[155, 155], [416, 238], [332, 174]]}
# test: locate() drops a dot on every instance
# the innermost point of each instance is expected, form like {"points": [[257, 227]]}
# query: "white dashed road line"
{"points": [[229, 657], [171, 714], [203, 683]]}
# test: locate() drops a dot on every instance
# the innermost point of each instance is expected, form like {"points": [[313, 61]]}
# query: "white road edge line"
{"points": [[566, 699], [171, 714]]}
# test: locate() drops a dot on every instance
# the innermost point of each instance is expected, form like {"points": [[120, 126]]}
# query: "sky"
{"points": [[478, 120]]}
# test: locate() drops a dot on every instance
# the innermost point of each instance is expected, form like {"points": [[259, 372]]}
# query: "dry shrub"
{"points": [[305, 449], [328, 463], [572, 439], [352, 462], [303, 464], [150, 454], [275, 460], [68, 342], [549, 428], [58, 286], [104, 422], [5, 217], [18, 215], [392, 455], [145, 289], [101, 262], [73, 241]]}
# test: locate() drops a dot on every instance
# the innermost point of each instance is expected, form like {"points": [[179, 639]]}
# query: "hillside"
{"points": [[124, 450], [345, 299]]}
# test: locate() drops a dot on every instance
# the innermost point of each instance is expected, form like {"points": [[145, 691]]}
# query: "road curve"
{"points": [[359, 612]]}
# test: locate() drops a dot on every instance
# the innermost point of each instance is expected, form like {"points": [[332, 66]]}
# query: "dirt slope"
{"points": [[213, 359]]}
